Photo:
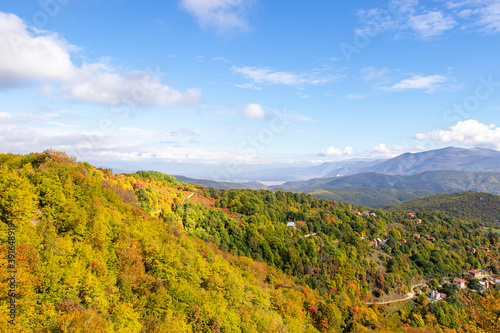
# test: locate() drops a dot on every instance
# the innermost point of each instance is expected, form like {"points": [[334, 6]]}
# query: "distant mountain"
{"points": [[472, 206], [362, 185], [221, 185], [450, 158], [303, 173]]}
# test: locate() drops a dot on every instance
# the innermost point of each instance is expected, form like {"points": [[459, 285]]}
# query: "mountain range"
{"points": [[380, 182], [449, 158]]}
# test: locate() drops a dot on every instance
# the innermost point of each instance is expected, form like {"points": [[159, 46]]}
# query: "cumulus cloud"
{"points": [[385, 151], [469, 133], [27, 57], [333, 151], [270, 76], [379, 151], [224, 15], [254, 111], [428, 83]]}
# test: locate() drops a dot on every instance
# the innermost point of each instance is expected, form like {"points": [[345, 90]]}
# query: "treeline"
{"points": [[471, 206]]}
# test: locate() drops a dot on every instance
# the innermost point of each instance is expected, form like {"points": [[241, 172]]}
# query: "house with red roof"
{"points": [[459, 282]]}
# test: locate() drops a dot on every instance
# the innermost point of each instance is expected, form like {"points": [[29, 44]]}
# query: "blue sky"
{"points": [[229, 83]]}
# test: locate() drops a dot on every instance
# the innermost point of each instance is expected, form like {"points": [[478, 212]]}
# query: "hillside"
{"points": [[89, 259], [376, 190], [220, 185], [370, 197], [98, 252], [473, 206]]}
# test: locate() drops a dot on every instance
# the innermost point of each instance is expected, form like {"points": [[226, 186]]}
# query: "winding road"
{"points": [[411, 295], [189, 196]]}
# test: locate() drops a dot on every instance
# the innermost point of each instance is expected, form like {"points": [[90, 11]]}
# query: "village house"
{"points": [[436, 295], [485, 284], [366, 212], [373, 215], [475, 273], [291, 225], [411, 214], [356, 212], [417, 235], [472, 250], [432, 239], [302, 223], [459, 282], [485, 249]]}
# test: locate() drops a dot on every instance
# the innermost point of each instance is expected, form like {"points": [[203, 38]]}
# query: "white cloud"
{"points": [[469, 133], [371, 73], [353, 97], [45, 58], [428, 83], [490, 17], [5, 115], [269, 76], [254, 111], [379, 151], [431, 24], [224, 15], [220, 59], [384, 151], [425, 22], [333, 151], [248, 86]]}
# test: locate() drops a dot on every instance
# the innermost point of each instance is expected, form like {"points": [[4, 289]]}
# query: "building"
{"points": [[459, 282], [356, 212], [302, 223], [417, 235], [291, 225], [436, 295], [475, 273]]}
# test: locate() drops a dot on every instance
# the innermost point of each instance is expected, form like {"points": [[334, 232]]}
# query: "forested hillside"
{"points": [[377, 190], [472, 206], [98, 252]]}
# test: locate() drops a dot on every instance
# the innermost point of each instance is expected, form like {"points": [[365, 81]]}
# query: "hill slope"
{"points": [[97, 252], [89, 259], [220, 185], [375, 190], [473, 206]]}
